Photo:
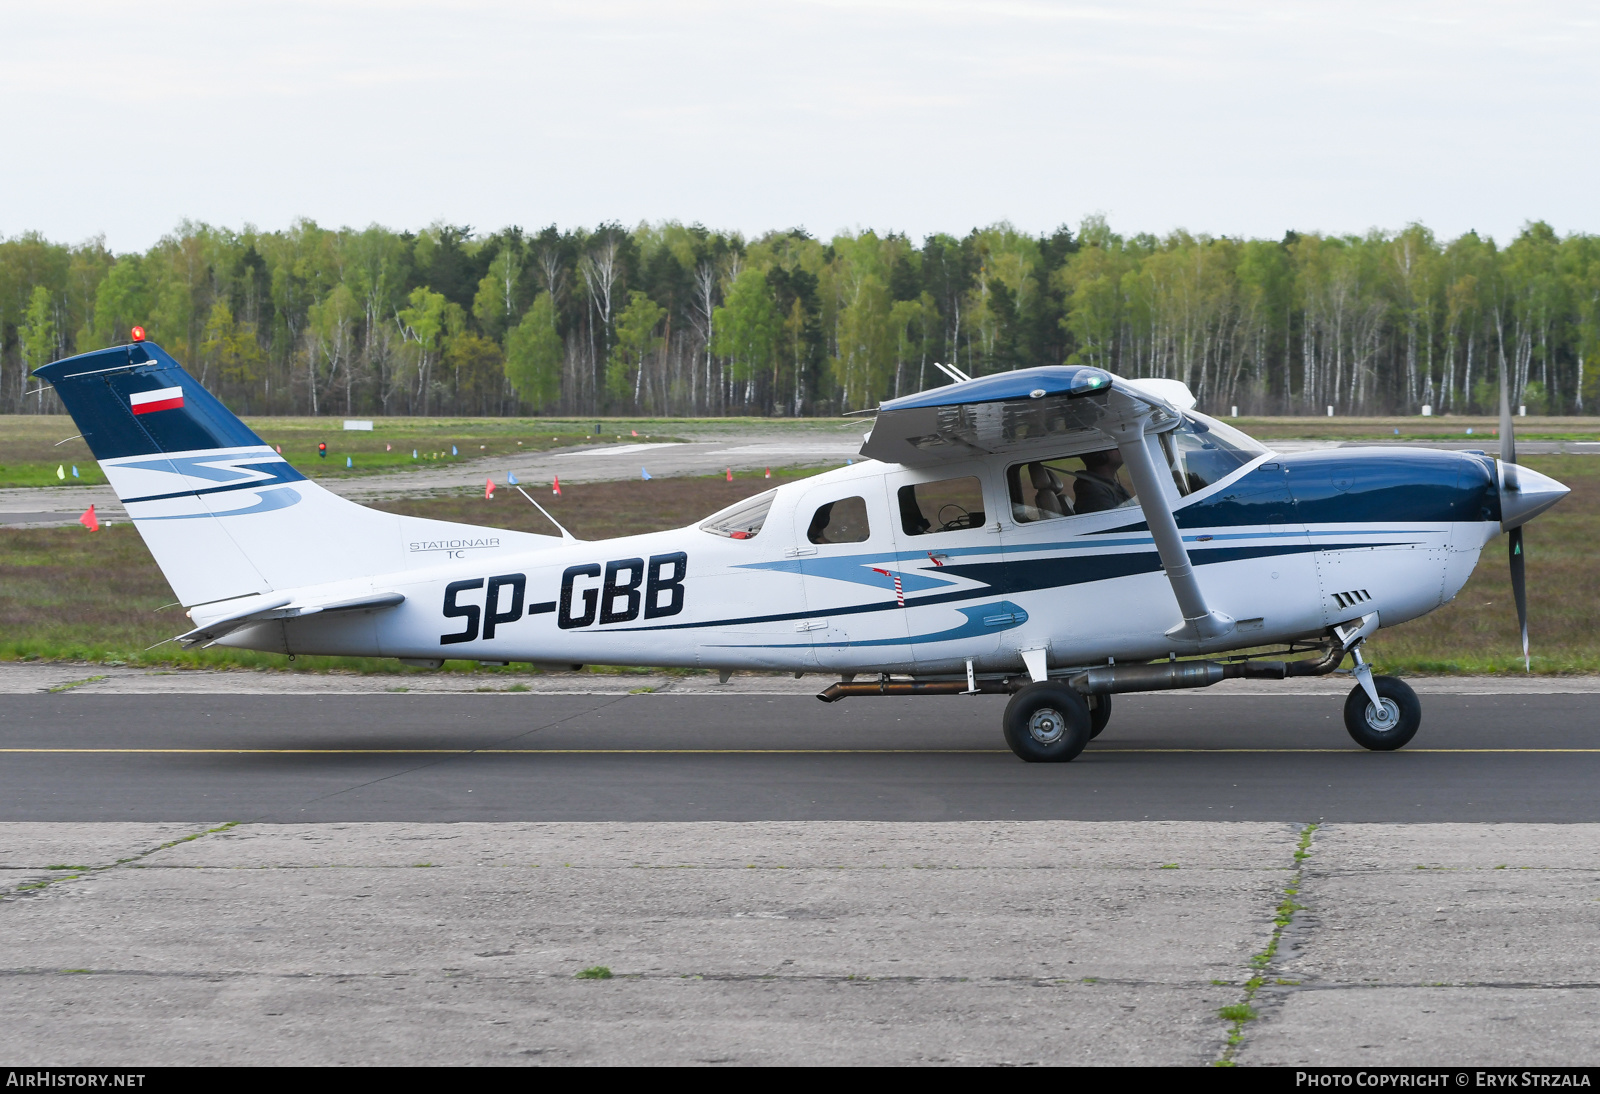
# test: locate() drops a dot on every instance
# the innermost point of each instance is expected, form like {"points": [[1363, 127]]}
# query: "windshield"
{"points": [[1204, 451], [741, 520]]}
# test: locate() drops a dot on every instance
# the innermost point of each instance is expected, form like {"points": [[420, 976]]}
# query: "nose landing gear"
{"points": [[1390, 722]]}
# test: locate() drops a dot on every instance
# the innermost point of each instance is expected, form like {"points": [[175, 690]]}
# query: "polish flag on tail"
{"points": [[89, 520], [147, 402], [557, 490]]}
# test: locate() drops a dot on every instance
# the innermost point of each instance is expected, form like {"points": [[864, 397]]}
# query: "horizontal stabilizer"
{"points": [[284, 607]]}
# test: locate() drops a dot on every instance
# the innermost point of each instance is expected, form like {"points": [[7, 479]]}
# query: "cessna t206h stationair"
{"points": [[1058, 534]]}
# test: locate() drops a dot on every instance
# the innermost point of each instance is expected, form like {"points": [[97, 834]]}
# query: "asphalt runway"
{"points": [[521, 757]]}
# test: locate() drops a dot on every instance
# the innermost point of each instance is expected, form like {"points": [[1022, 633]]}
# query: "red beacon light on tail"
{"points": [[138, 334]]}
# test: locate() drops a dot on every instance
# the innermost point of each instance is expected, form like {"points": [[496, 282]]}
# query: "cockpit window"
{"points": [[1068, 486], [1202, 451], [741, 520]]}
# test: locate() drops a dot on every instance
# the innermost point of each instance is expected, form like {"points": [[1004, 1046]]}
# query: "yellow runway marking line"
{"points": [[704, 751]]}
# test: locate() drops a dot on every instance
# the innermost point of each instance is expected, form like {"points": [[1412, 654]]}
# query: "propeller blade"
{"points": [[1508, 436], [1519, 591]]}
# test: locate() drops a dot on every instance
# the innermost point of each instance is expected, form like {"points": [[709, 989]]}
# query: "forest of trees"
{"points": [[680, 320]]}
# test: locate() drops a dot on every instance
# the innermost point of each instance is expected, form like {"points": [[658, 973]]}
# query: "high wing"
{"points": [[1055, 410]]}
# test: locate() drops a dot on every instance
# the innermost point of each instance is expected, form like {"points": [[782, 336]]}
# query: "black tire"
{"points": [[1047, 723], [1404, 709], [1099, 715]]}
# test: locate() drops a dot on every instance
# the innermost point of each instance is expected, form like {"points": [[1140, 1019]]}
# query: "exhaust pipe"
{"points": [[1173, 675], [1107, 679], [914, 687]]}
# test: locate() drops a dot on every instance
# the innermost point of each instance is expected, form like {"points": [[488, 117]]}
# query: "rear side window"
{"points": [[944, 506], [842, 521], [741, 520]]}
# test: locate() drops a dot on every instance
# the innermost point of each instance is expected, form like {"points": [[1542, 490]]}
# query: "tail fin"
{"points": [[223, 514]]}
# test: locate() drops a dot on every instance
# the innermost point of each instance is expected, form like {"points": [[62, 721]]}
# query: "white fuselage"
{"points": [[1075, 587]]}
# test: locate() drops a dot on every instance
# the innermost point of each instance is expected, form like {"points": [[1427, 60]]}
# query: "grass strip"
{"points": [[1237, 1015]]}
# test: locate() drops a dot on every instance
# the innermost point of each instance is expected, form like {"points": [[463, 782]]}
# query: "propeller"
{"points": [[1510, 484]]}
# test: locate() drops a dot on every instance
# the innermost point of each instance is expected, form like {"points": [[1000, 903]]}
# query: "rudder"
{"points": [[222, 512]]}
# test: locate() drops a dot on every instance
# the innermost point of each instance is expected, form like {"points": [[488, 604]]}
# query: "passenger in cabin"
{"points": [[1098, 488]]}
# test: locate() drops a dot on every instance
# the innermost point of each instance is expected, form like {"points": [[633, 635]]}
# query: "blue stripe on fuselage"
{"points": [[1030, 575]]}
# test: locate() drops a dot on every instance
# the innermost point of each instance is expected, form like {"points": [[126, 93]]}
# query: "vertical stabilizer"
{"points": [[223, 514]]}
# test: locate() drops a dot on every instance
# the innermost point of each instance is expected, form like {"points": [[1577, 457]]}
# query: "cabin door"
{"points": [[845, 554]]}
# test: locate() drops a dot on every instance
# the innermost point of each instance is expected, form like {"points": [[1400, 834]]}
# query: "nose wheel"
{"points": [[1390, 722]]}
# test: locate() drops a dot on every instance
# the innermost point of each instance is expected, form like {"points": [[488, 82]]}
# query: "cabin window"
{"points": [[1050, 489], [944, 506], [842, 521], [741, 520], [1203, 451]]}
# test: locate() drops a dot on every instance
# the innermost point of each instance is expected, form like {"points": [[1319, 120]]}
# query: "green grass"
{"points": [[593, 972]]}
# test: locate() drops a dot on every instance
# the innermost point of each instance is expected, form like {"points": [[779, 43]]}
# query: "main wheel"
{"points": [[1047, 723], [1099, 715], [1388, 725]]}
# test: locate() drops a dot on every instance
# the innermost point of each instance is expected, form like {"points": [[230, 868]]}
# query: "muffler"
{"points": [[835, 692], [1173, 675]]}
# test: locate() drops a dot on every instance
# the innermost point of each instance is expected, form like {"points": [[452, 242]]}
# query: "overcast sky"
{"points": [[1237, 118]]}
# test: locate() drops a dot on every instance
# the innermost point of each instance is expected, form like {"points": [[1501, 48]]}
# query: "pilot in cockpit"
{"points": [[1098, 488]]}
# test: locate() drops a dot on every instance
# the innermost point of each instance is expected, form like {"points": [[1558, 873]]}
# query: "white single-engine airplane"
{"points": [[1059, 534]]}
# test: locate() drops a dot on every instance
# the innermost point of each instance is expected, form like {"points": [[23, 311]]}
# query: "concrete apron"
{"points": [[809, 942]]}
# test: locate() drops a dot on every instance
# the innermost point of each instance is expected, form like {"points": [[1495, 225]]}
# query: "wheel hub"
{"points": [[1385, 716], [1046, 726]]}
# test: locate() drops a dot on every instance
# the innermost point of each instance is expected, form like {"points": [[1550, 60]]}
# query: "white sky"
{"points": [[1239, 118]]}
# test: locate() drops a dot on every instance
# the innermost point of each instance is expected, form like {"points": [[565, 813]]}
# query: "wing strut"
{"points": [[1200, 624]]}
